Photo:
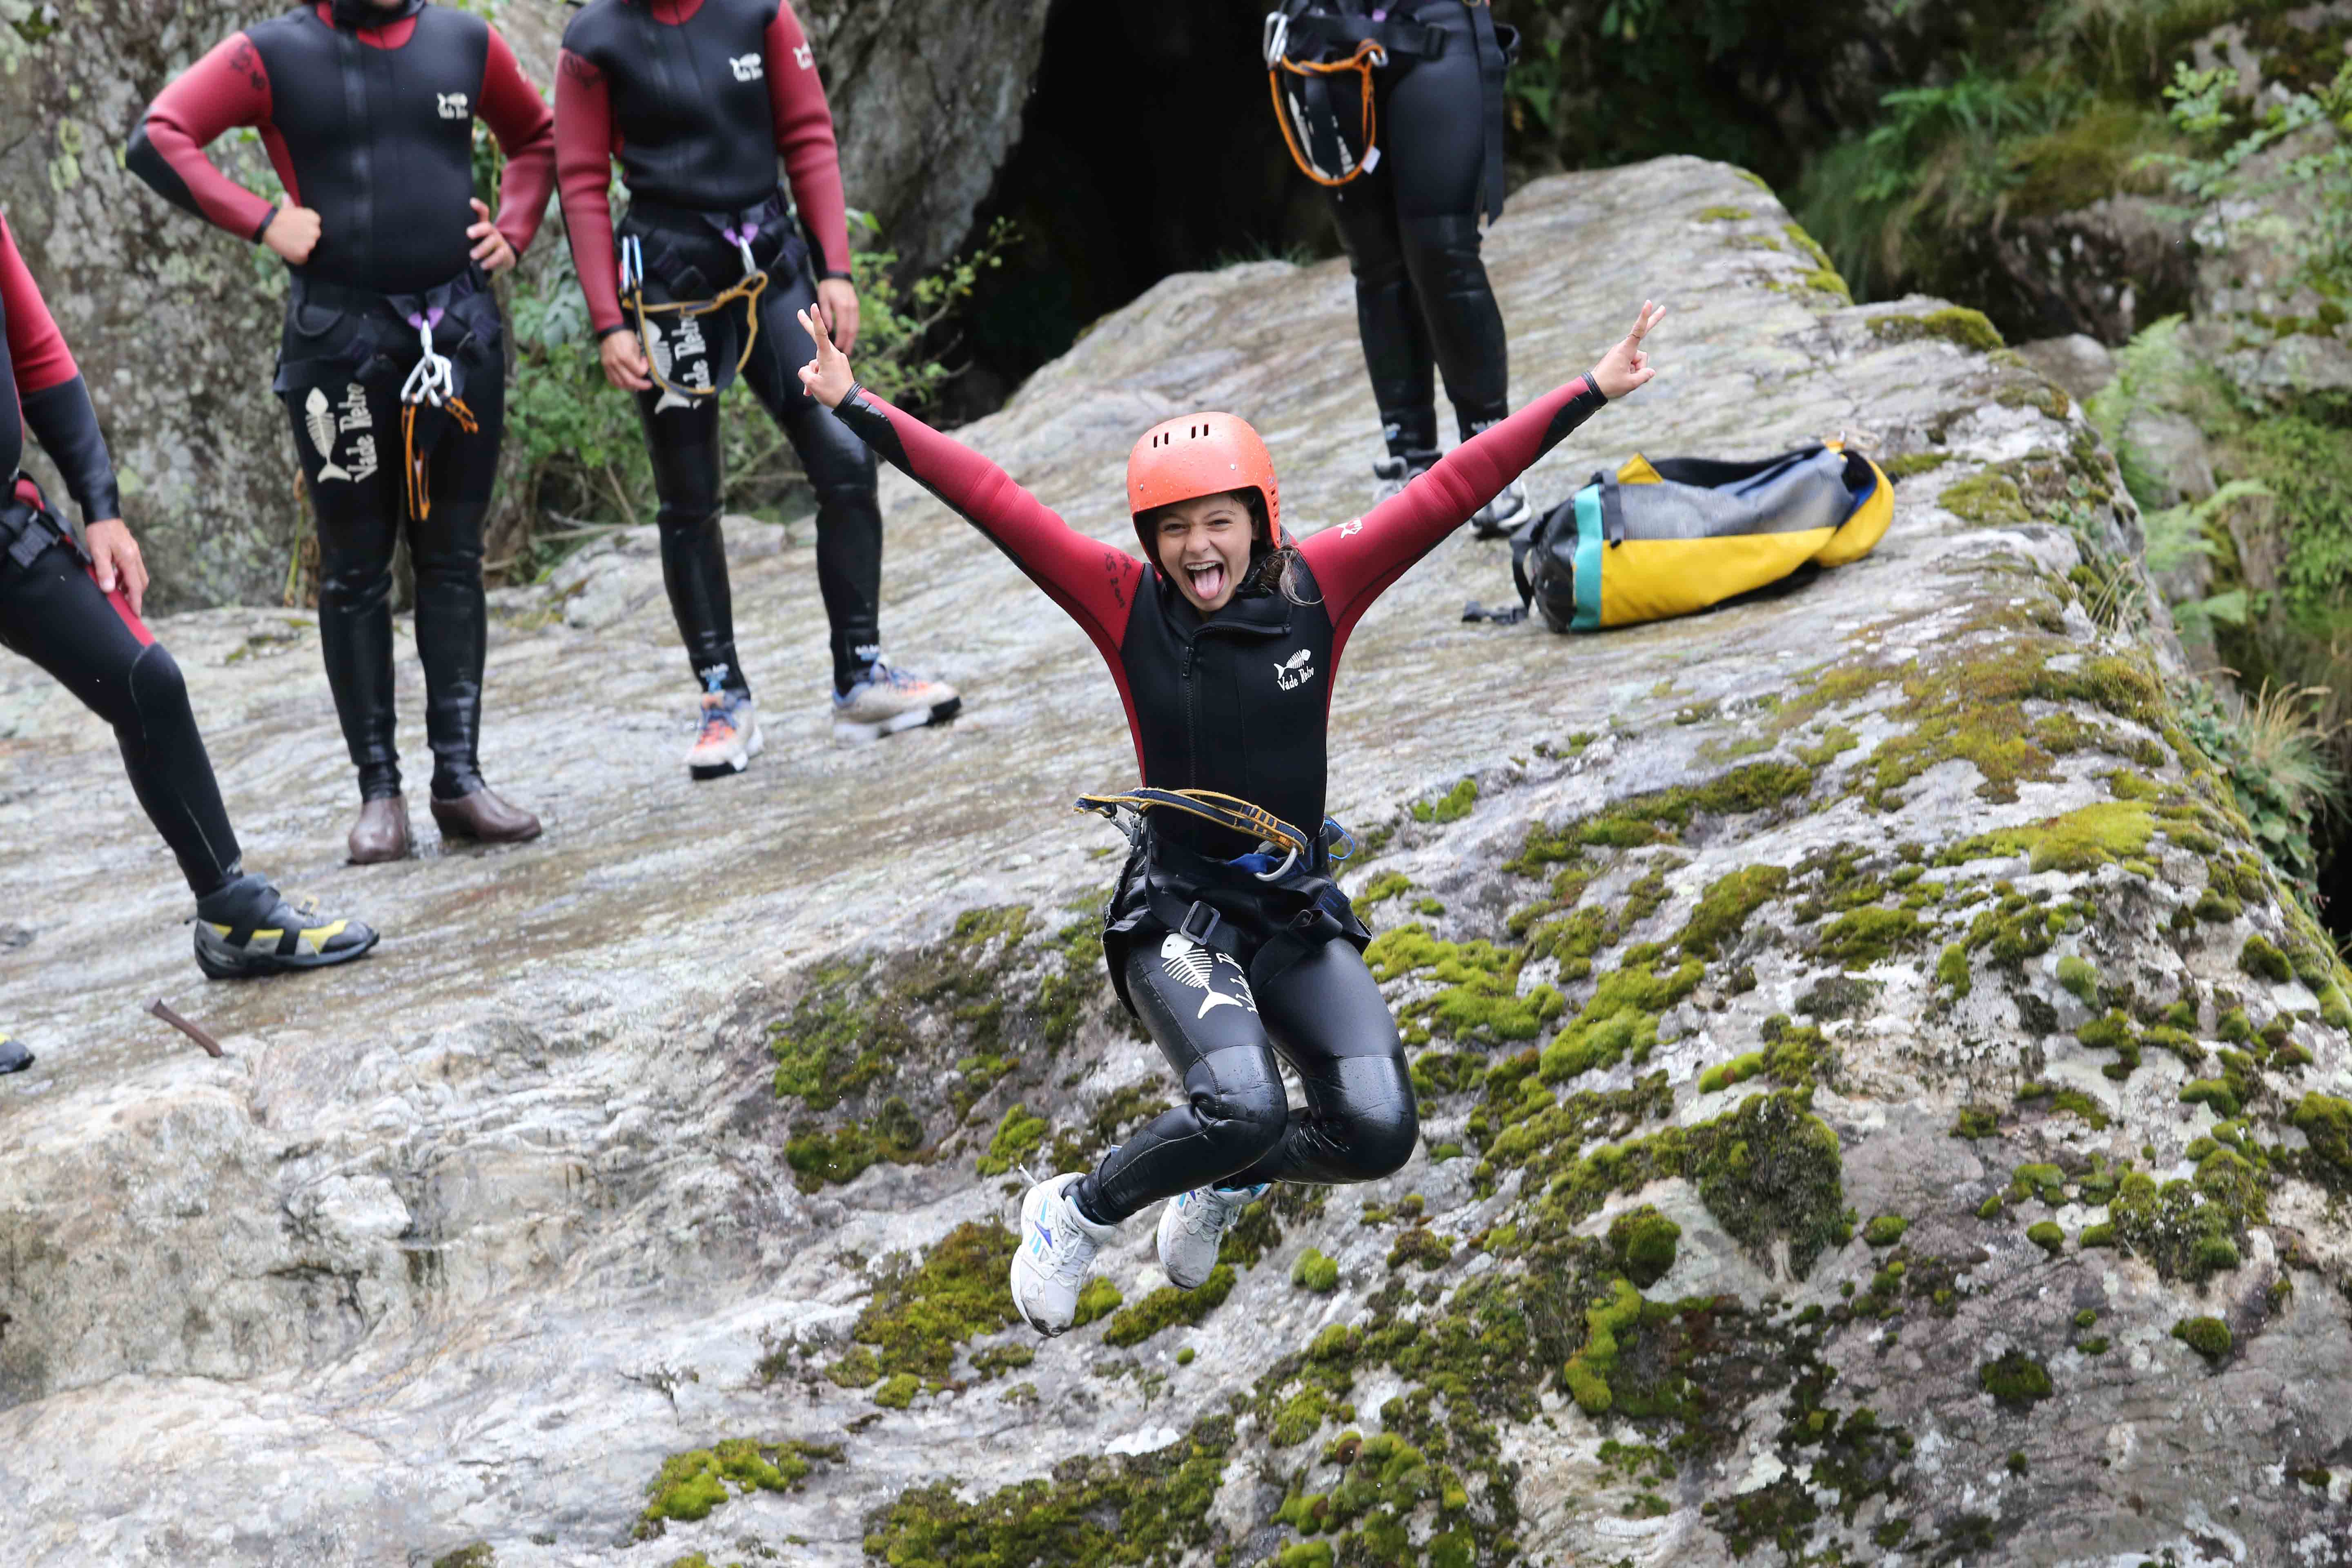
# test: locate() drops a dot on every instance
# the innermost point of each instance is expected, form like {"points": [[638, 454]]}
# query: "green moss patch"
{"points": [[2189, 1229], [1641, 1243], [1452, 806], [2325, 1123], [1479, 997], [1724, 908], [1315, 1272], [1093, 1510], [1953, 325], [692, 1485], [2209, 1337], [819, 1155], [921, 1312], [1662, 817], [1886, 1230], [1018, 1135], [2015, 1380]]}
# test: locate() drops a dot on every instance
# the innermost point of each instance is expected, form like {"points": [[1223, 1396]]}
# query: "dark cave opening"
{"points": [[1148, 147]]}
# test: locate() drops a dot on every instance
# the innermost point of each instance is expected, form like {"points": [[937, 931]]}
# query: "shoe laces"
{"points": [[718, 718], [1211, 1212], [1074, 1253]]}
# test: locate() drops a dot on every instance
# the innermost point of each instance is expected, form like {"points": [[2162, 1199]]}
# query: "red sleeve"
{"points": [[518, 118], [226, 89], [805, 137], [583, 169], [1355, 563], [1096, 583], [36, 348]]}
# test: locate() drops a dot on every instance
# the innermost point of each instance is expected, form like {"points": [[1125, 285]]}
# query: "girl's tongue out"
{"points": [[1208, 578]]}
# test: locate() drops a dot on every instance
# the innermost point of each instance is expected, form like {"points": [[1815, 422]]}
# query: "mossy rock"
{"points": [[1315, 1272], [1093, 1509], [1643, 1243], [693, 1484], [2261, 958], [1953, 325], [2209, 1337], [921, 1312], [1019, 1135], [476, 1555], [2048, 1237], [2015, 1380], [2080, 977], [1886, 1230], [1099, 1299]]}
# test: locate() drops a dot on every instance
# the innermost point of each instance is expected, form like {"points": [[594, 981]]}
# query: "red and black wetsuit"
{"points": [[696, 99], [51, 611], [368, 114], [1238, 702]]}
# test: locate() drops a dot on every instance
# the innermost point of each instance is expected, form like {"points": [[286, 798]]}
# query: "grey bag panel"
{"points": [[1807, 494]]}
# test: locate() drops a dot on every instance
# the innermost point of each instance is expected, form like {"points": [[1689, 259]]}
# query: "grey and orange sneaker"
{"points": [[13, 1057], [887, 701], [247, 929], [729, 737]]}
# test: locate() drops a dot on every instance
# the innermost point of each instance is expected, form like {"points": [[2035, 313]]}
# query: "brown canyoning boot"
{"points": [[485, 818], [381, 832]]}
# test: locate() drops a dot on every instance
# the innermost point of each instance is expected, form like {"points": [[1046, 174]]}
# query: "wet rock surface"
{"points": [[1855, 1031]]}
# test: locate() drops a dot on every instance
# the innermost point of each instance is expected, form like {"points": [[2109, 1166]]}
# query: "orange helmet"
{"points": [[1199, 455]]}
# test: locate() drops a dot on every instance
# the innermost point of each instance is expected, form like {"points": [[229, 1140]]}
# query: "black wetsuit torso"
{"points": [[692, 119]]}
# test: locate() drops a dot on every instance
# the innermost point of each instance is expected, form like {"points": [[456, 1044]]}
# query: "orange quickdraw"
{"points": [[420, 492], [1369, 57]]}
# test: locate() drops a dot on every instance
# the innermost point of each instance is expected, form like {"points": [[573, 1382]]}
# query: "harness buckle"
{"points": [[1184, 927]]}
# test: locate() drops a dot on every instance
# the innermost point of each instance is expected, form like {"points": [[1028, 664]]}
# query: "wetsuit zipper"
{"points": [[1192, 718]]}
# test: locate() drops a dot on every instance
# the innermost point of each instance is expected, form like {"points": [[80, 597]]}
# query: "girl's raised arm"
{"points": [[1096, 583]]}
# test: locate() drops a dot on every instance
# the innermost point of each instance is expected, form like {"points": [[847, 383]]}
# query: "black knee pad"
{"points": [[1237, 1093], [157, 686], [1446, 252]]}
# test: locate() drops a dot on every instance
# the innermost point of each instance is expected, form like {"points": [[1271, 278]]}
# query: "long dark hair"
{"points": [[1272, 566]]}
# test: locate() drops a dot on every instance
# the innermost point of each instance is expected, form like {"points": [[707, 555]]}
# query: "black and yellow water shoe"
{"points": [[13, 1057], [248, 929]]}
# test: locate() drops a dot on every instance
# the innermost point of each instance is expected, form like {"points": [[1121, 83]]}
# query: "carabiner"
{"points": [[1280, 871], [1275, 40]]}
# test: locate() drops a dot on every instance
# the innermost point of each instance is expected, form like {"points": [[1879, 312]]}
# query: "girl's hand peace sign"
{"points": [[827, 377], [1625, 366]]}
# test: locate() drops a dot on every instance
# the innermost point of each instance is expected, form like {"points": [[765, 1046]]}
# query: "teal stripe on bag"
{"points": [[1588, 561]]}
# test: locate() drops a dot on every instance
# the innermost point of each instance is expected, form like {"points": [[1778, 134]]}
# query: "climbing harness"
{"points": [[1311, 46], [1304, 106], [1229, 812], [747, 289], [432, 382], [29, 525]]}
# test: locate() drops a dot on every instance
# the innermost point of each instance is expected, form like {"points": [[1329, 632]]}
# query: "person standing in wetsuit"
{"points": [[72, 607], [1225, 649], [1409, 220], [392, 365], [697, 98]]}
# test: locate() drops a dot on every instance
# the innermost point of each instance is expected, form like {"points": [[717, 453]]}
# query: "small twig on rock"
{"points": [[193, 1031]]}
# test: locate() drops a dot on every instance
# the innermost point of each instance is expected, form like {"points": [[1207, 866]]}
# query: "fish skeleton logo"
{"points": [[1190, 964], [746, 67], [1295, 671], [319, 419], [804, 56], [453, 106], [1350, 529]]}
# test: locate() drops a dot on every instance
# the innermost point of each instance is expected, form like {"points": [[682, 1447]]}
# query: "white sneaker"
{"points": [[1192, 1226], [729, 738], [1056, 1252], [1390, 474], [889, 700], [1503, 513]]}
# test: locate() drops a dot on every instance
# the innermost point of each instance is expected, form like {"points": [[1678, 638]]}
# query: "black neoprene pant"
{"points": [[1410, 228], [361, 512], [685, 447], [1325, 1015], [51, 613]]}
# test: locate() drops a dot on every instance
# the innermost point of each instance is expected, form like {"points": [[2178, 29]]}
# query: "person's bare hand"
{"points": [[837, 297], [1625, 367], [624, 361], [114, 561], [293, 234], [490, 246], [827, 377]]}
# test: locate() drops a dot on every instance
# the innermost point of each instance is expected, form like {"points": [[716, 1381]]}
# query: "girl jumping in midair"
{"points": [[1226, 934]]}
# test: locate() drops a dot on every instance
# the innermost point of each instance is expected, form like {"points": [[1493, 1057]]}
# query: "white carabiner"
{"points": [[1279, 871], [430, 382], [750, 265], [1275, 40], [633, 263]]}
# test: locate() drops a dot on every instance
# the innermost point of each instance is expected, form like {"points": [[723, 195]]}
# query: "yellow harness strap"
{"points": [[1228, 811], [747, 289]]}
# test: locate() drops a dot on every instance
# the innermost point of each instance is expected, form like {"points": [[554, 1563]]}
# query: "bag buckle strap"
{"points": [[1207, 932]]}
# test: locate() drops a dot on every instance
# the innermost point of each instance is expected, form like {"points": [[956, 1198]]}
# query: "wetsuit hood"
{"points": [[360, 14]]}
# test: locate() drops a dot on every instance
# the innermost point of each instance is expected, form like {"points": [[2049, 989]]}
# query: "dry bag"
{"points": [[1658, 540]]}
